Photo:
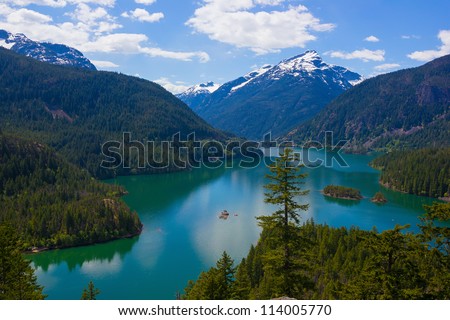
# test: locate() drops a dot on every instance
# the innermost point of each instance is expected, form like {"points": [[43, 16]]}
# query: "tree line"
{"points": [[52, 203], [423, 172]]}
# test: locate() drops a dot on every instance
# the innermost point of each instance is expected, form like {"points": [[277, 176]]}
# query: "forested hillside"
{"points": [[52, 203], [76, 111], [424, 172], [403, 109]]}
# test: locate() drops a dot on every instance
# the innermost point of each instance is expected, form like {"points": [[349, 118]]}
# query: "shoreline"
{"points": [[37, 250], [387, 186], [342, 198]]}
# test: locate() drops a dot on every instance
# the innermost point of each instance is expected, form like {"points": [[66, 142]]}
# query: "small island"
{"points": [[379, 198], [341, 192]]}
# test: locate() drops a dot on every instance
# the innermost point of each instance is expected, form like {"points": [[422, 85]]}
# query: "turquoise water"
{"points": [[182, 233]]}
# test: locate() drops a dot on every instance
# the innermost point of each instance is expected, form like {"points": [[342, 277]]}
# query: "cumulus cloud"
{"points": [[90, 31], [40, 27], [364, 55], [427, 55], [143, 15], [387, 66], [27, 16], [133, 43], [180, 55], [244, 24], [101, 64], [97, 20], [58, 3], [117, 43], [5, 9], [145, 2], [175, 88], [372, 39]]}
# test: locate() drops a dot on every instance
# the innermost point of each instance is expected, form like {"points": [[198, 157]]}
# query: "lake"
{"points": [[183, 235]]}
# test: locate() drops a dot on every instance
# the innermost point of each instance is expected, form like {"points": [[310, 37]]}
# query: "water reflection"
{"points": [[105, 253], [342, 202]]}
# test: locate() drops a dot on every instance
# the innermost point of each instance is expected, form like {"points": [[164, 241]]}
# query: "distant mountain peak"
{"points": [[195, 95], [208, 87], [58, 54], [274, 98]]}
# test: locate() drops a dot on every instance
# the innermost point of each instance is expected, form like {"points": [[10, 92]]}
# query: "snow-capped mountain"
{"points": [[276, 98], [195, 95], [59, 54]]}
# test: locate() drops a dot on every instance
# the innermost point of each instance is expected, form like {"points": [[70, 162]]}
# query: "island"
{"points": [[341, 192], [379, 198]]}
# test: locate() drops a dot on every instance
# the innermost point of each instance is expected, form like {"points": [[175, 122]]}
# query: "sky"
{"points": [[179, 43]]}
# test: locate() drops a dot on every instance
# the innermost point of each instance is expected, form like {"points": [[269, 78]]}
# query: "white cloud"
{"points": [[27, 16], [145, 2], [58, 3], [242, 24], [48, 3], [100, 64], [5, 9], [364, 55], [427, 55], [175, 88], [143, 15], [117, 43], [184, 56], [387, 66], [96, 20], [132, 43], [269, 2], [412, 36], [372, 39], [90, 31]]}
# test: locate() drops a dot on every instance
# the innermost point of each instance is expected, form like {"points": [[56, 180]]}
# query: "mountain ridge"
{"points": [[75, 111], [275, 98], [407, 108], [58, 54]]}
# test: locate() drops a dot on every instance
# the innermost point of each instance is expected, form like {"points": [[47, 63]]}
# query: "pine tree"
{"points": [[242, 285], [437, 233], [90, 293], [17, 278], [224, 277], [282, 226]]}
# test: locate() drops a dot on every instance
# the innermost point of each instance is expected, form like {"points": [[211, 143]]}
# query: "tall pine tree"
{"points": [[283, 190]]}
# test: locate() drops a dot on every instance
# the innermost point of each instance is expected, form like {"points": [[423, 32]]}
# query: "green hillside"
{"points": [[424, 172], [52, 203], [76, 111], [404, 109]]}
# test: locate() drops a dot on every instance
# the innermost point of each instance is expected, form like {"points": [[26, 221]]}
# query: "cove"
{"points": [[183, 235]]}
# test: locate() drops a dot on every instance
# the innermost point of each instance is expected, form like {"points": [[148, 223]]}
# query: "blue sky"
{"points": [[178, 43]]}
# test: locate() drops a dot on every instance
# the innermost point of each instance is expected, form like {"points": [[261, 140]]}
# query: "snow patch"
{"points": [[6, 45], [357, 81], [251, 76]]}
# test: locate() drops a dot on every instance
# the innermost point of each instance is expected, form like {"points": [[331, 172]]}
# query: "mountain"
{"points": [[405, 109], [58, 54], [75, 111], [195, 95], [276, 98]]}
